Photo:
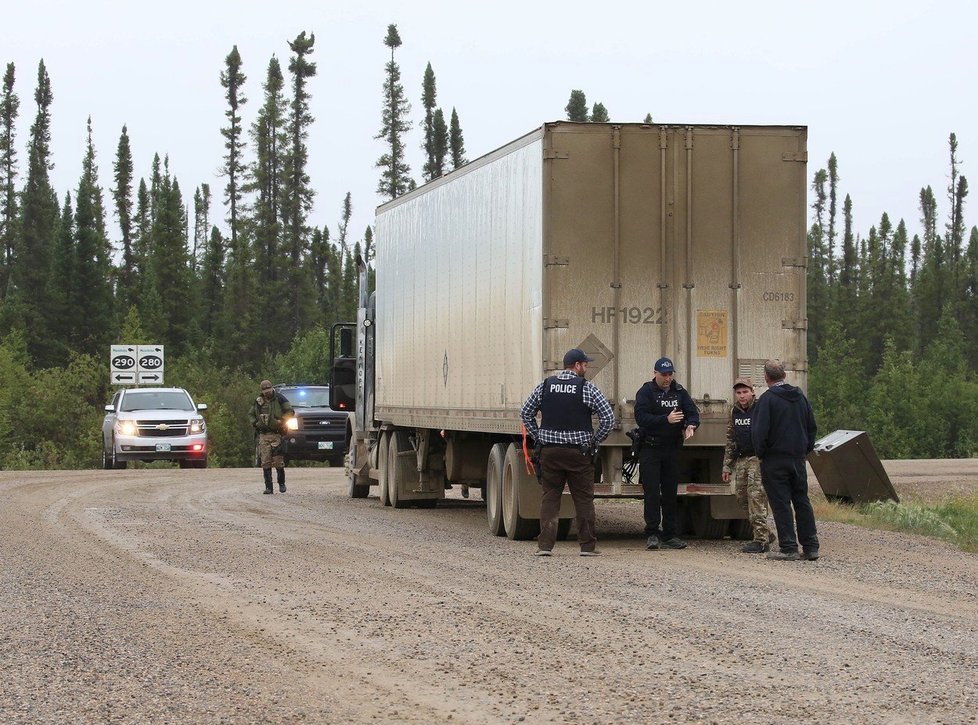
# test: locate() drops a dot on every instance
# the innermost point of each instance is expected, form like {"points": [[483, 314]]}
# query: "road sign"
{"points": [[139, 364]]}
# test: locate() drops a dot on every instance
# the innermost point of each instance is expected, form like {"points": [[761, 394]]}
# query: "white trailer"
{"points": [[630, 241]]}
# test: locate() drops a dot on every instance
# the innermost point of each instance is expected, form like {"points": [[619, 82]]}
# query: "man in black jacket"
{"points": [[667, 416], [783, 432]]}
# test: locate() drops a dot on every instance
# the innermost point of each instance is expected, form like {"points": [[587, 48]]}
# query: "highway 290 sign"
{"points": [[136, 364]]}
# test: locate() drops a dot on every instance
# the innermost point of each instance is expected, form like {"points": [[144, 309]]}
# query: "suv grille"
{"points": [[162, 428], [320, 423]]}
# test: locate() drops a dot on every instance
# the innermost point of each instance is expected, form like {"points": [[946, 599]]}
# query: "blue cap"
{"points": [[664, 365], [575, 355]]}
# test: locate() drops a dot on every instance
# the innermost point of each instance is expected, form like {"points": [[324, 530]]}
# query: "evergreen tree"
{"points": [[576, 107], [429, 95], [890, 411], [233, 80], [345, 215], [141, 240], [395, 175], [599, 114], [957, 190], [9, 110], [648, 118], [268, 177], [845, 295], [91, 298], [818, 290], [830, 271], [122, 196], [439, 144], [298, 192], [455, 142], [931, 288], [170, 267], [64, 286], [211, 283], [31, 272]]}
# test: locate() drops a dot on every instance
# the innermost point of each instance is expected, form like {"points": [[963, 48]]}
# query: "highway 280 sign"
{"points": [[136, 364]]}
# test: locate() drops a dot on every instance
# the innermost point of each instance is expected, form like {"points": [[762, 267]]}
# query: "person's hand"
{"points": [[725, 476], [675, 416], [688, 433]]}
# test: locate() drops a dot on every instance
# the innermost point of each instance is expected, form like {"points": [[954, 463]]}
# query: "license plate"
{"points": [[162, 447], [325, 445]]}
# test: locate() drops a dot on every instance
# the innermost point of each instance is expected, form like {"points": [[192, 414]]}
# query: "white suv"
{"points": [[154, 424]]}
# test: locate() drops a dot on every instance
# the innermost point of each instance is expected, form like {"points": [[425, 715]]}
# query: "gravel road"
{"points": [[188, 596]]}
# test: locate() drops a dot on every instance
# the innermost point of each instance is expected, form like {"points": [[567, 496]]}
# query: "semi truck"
{"points": [[628, 241]]}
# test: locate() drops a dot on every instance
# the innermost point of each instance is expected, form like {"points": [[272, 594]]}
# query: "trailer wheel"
{"points": [[515, 481], [704, 525], [383, 446], [493, 492], [400, 468], [356, 490]]}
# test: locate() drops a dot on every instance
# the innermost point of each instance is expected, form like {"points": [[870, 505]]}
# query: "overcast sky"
{"points": [[882, 84]]}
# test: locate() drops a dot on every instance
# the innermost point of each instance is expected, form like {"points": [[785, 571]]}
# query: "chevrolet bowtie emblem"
{"points": [[162, 426]]}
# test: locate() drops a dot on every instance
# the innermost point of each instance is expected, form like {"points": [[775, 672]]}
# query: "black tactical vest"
{"points": [[741, 431], [562, 405]]}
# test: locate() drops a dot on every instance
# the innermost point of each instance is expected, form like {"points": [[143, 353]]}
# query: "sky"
{"points": [[880, 84]]}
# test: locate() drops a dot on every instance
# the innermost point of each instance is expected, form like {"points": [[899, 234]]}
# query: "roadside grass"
{"points": [[954, 520]]}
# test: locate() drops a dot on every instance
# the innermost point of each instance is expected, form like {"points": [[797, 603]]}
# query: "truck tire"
{"points": [[493, 492], [704, 525], [515, 481], [116, 464], [382, 445], [354, 489], [400, 469], [106, 458]]}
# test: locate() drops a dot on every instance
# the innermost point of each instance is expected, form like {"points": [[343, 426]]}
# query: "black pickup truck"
{"points": [[317, 433]]}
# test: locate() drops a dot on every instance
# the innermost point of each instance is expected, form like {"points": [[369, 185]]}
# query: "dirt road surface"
{"points": [[188, 596]]}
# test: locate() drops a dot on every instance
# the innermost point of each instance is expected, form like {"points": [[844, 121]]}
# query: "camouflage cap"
{"points": [[742, 383]]}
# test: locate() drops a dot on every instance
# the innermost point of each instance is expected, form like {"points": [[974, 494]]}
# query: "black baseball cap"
{"points": [[575, 355]]}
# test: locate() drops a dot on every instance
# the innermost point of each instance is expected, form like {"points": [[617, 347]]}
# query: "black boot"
{"points": [[280, 472], [267, 472]]}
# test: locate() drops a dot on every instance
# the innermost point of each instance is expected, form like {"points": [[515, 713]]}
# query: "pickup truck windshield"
{"points": [[307, 397], [168, 400]]}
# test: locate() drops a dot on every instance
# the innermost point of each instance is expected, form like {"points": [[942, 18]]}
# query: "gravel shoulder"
{"points": [[187, 596]]}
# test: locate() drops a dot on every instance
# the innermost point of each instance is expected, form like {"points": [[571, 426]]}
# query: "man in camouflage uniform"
{"points": [[269, 414], [742, 464]]}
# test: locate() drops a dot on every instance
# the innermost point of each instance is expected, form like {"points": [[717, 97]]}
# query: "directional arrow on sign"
{"points": [[122, 378]]}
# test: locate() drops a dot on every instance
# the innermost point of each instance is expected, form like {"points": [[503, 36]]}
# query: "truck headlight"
{"points": [[196, 425], [127, 427], [292, 424]]}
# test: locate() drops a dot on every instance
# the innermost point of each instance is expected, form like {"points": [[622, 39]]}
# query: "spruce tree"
{"points": [[439, 144], [818, 290], [576, 107], [395, 172], [91, 298], [233, 80], [31, 272], [211, 283], [9, 110], [455, 141], [298, 192], [831, 263], [266, 184], [599, 114], [170, 265], [126, 291], [64, 281], [429, 95], [648, 118]]}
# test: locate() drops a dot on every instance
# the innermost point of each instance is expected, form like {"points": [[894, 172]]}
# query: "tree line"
{"points": [[255, 300], [893, 322]]}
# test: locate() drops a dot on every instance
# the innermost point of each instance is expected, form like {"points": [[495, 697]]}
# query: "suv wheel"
{"points": [[106, 460]]}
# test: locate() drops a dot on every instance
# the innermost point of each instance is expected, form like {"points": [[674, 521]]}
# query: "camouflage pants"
{"points": [[750, 494], [268, 450]]}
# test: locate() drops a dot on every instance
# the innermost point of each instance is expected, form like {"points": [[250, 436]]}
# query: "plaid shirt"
{"points": [[593, 399]]}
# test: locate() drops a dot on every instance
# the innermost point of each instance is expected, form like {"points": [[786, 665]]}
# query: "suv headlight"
{"points": [[196, 425], [292, 424], [127, 427]]}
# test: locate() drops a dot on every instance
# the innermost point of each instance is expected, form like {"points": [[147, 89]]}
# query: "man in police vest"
{"points": [[667, 416], [742, 464], [568, 443]]}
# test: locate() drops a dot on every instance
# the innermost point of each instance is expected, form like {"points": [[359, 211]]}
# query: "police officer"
{"points": [[667, 416], [568, 442], [782, 430], [742, 464], [269, 413]]}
